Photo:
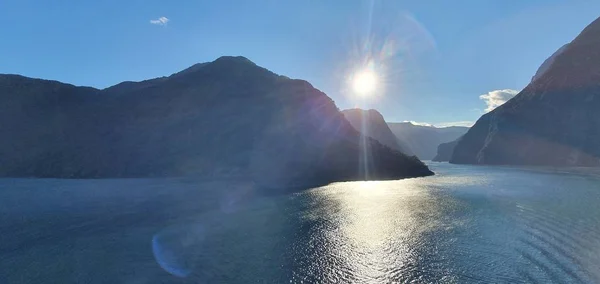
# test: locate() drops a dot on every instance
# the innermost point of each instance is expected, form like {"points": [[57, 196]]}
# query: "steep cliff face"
{"points": [[227, 118], [424, 140], [444, 151], [371, 123], [553, 121]]}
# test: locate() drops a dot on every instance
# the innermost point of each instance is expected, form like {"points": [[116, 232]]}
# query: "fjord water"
{"points": [[466, 224]]}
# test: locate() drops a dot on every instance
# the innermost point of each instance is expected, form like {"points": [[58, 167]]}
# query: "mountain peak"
{"points": [[236, 59], [224, 63], [360, 111], [235, 62], [371, 123]]}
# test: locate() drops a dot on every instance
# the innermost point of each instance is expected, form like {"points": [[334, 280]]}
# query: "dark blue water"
{"points": [[466, 224]]}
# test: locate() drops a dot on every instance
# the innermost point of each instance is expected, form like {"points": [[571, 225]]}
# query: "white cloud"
{"points": [[496, 98], [419, 123], [465, 123], [160, 21]]}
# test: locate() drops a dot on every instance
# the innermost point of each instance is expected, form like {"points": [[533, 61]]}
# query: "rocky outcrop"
{"points": [[424, 140], [553, 121], [371, 123], [228, 118]]}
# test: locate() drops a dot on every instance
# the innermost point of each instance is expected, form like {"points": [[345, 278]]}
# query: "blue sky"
{"points": [[434, 58]]}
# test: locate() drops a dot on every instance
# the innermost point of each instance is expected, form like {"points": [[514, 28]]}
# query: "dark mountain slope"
{"points": [[371, 123], [553, 121], [228, 118], [38, 122]]}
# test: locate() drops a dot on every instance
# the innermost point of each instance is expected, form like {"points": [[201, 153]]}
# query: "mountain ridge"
{"points": [[553, 121], [228, 118]]}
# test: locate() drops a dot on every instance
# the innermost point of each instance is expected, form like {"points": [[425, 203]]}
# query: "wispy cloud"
{"points": [[465, 123], [497, 98], [160, 21]]}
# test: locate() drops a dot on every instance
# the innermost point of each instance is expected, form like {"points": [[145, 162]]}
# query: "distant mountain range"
{"points": [[554, 121], [228, 118], [371, 123], [422, 140]]}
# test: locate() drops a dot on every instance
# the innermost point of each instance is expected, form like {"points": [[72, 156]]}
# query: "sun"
{"points": [[364, 82]]}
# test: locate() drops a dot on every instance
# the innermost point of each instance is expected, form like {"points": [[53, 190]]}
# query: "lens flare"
{"points": [[364, 82], [175, 248]]}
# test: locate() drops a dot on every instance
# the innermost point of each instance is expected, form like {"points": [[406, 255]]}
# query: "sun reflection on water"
{"points": [[377, 226]]}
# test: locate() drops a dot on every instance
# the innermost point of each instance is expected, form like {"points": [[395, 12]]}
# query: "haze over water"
{"points": [[466, 224]]}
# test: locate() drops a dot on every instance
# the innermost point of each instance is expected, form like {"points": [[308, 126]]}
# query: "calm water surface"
{"points": [[466, 224]]}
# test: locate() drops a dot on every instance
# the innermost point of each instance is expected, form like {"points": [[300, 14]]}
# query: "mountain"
{"points": [[424, 140], [548, 62], [444, 151], [371, 123], [553, 121], [228, 119]]}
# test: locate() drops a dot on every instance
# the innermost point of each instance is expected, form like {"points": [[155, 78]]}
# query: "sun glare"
{"points": [[364, 82]]}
